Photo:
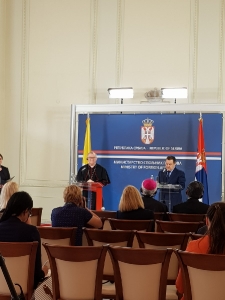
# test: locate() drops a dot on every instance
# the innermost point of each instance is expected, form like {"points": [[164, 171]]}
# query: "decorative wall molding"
{"points": [[119, 39], [195, 49], [24, 89], [221, 52], [93, 50], [24, 117]]}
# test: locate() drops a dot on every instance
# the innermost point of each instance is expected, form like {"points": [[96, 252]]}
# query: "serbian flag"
{"points": [[87, 141], [200, 172]]}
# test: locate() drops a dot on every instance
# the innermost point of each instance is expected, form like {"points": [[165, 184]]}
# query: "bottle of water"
{"points": [[152, 177]]}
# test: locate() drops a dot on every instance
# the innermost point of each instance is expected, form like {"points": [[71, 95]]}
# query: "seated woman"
{"points": [[131, 206], [74, 213], [13, 228], [7, 191], [214, 240]]}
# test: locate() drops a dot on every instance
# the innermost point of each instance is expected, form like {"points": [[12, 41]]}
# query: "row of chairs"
{"points": [[37, 213], [159, 216], [148, 225], [123, 238], [77, 272]]}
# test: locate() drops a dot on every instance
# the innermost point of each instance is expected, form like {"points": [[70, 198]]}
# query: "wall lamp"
{"points": [[174, 93], [121, 93]]}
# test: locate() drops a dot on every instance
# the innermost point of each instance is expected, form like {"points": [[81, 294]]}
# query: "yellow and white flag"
{"points": [[87, 141]]}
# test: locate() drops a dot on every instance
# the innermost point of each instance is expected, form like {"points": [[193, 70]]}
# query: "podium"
{"points": [[93, 187], [170, 189]]}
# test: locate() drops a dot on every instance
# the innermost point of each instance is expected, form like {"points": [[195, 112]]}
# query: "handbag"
{"points": [[44, 290]]}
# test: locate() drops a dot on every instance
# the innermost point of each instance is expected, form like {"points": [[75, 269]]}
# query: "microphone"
{"points": [[164, 170]]}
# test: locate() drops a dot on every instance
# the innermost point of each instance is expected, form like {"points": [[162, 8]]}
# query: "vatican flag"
{"points": [[87, 141]]}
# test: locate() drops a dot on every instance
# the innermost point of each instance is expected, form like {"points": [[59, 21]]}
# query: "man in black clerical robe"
{"points": [[92, 172]]}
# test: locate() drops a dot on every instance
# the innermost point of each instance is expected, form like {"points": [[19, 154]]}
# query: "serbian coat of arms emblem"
{"points": [[147, 131]]}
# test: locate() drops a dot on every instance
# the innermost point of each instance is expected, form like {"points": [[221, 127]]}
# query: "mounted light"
{"points": [[174, 93], [121, 93]]}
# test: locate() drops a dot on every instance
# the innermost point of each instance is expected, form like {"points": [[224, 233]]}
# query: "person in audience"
{"points": [[148, 190], [7, 191], [13, 228], [4, 174], [131, 206], [211, 243], [194, 192], [74, 213]]}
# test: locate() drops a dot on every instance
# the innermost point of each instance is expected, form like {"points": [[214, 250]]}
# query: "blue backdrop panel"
{"points": [[117, 141]]}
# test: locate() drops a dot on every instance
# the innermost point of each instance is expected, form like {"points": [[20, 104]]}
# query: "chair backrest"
{"points": [[104, 215], [140, 273], [122, 238], [195, 236], [20, 261], [36, 216], [76, 271], [178, 227], [56, 236], [158, 240], [203, 275], [145, 225], [187, 217]]}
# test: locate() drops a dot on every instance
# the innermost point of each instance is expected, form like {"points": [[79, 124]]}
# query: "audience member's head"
{"points": [[216, 228], [130, 199], [7, 191], [149, 187], [19, 205], [73, 194], [195, 190]]}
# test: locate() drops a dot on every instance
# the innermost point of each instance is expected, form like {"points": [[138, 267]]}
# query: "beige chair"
{"points": [[123, 238], [104, 215], [36, 216], [76, 271], [158, 240], [203, 275], [20, 262], [145, 225], [178, 227], [140, 273], [186, 217], [56, 236]]}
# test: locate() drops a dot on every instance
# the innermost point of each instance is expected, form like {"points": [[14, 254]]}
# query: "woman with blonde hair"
{"points": [[131, 206], [74, 213], [7, 191]]}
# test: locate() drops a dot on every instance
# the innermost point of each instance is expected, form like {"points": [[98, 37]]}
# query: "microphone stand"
{"points": [[9, 282]]}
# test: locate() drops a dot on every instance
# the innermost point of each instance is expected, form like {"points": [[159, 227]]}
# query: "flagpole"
{"points": [[87, 140]]}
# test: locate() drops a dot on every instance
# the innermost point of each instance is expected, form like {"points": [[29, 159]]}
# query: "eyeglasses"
{"points": [[91, 157]]}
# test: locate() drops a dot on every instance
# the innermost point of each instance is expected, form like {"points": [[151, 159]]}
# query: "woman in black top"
{"points": [[13, 228], [131, 206], [4, 173]]}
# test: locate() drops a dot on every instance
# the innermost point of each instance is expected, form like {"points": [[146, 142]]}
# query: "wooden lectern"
{"points": [[93, 187]]}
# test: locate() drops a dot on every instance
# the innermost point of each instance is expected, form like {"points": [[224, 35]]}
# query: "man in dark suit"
{"points": [[171, 175], [194, 192]]}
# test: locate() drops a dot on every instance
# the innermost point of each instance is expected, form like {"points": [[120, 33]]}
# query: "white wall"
{"points": [[57, 52]]}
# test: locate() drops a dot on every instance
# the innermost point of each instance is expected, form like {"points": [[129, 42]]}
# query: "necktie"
{"points": [[168, 174]]}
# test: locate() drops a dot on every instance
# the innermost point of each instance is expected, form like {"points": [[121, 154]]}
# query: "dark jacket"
{"points": [[14, 230], [137, 214], [191, 206], [154, 205], [176, 177]]}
